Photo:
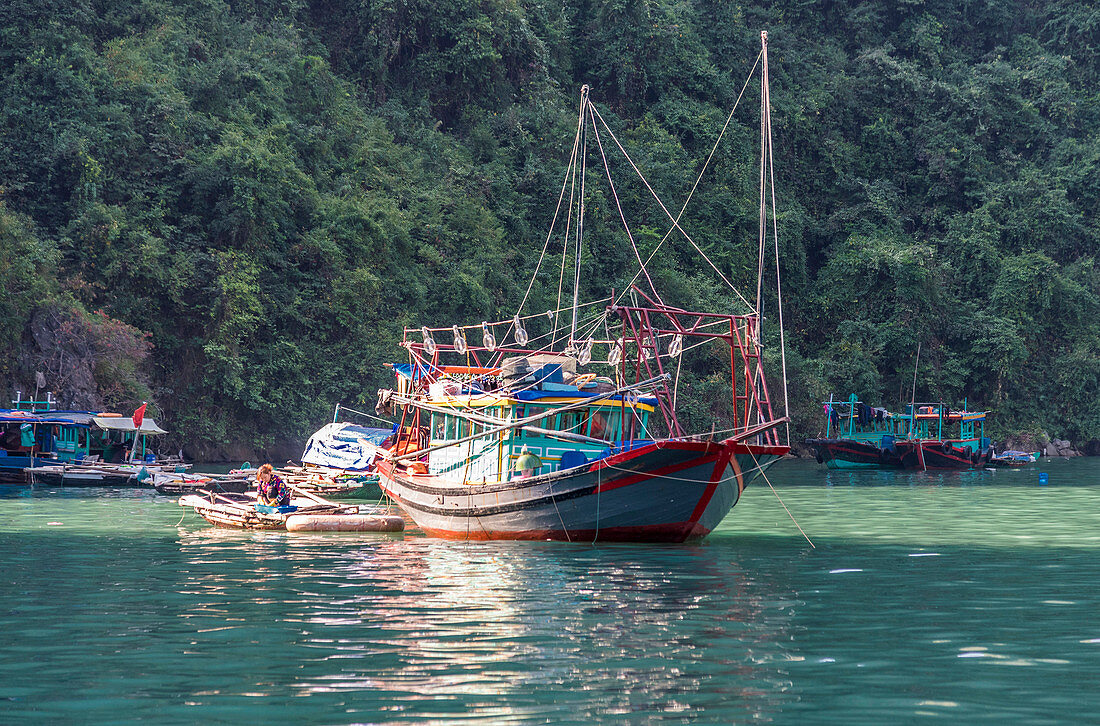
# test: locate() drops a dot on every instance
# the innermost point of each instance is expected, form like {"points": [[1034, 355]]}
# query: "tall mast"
{"points": [[770, 186], [580, 216], [763, 180]]}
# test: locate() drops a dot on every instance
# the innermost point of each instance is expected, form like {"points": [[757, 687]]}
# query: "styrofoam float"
{"points": [[344, 523]]}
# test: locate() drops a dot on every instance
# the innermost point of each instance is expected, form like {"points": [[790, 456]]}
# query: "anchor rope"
{"points": [[781, 503]]}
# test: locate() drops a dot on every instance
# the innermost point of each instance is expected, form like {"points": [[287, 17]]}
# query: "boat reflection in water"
{"points": [[503, 630]]}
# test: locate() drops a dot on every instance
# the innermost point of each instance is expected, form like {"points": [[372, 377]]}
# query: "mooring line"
{"points": [[765, 475]]}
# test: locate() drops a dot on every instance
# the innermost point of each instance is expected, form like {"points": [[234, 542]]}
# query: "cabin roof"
{"points": [[78, 418], [125, 423]]}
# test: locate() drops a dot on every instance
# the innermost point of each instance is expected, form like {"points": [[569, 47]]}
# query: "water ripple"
{"points": [[968, 603]]}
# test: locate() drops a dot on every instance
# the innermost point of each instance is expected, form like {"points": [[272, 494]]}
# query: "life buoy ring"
{"points": [[584, 379]]}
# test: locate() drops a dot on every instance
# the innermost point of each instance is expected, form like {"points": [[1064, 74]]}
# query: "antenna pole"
{"points": [[913, 398]]}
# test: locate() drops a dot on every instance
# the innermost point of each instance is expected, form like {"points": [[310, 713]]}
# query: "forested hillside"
{"points": [[231, 208]]}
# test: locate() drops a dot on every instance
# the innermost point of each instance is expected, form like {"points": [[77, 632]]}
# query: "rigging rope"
{"points": [[775, 235], [553, 221], [345, 408], [675, 223], [618, 204], [702, 171], [580, 209]]}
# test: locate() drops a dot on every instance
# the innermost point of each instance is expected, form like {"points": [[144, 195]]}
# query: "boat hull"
{"points": [[852, 454], [12, 467], [940, 455], [669, 491], [179, 487], [82, 479]]}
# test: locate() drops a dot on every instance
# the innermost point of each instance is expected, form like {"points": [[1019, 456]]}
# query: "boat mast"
{"points": [[763, 178], [767, 186], [580, 215]]}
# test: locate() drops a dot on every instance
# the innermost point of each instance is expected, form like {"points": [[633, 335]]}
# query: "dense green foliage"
{"points": [[270, 190]]}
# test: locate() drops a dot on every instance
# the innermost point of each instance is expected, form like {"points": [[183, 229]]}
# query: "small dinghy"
{"points": [[234, 509], [1014, 458], [176, 483]]}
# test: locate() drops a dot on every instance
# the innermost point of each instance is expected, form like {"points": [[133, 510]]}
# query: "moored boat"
{"points": [[1013, 458], [80, 474], [858, 436], [18, 435], [85, 448], [339, 458], [345, 447], [506, 440], [177, 483], [943, 438]]}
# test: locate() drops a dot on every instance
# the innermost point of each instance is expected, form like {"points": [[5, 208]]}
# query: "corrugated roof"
{"points": [[125, 423]]}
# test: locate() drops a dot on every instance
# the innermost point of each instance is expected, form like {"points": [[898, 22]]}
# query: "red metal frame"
{"points": [[751, 403], [643, 326]]}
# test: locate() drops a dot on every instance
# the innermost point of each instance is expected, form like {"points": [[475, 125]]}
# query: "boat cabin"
{"points": [[936, 421], [564, 424], [855, 420], [34, 430]]}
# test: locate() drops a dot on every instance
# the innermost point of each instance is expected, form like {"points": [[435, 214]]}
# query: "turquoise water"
{"points": [[955, 598]]}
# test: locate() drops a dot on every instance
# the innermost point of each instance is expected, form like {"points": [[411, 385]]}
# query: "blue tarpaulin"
{"points": [[345, 446]]}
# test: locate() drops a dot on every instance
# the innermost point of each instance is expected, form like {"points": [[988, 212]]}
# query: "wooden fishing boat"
{"points": [[176, 483], [858, 436], [18, 434], [339, 458], [84, 448], [95, 474], [42, 445], [515, 441], [944, 439], [345, 447]]}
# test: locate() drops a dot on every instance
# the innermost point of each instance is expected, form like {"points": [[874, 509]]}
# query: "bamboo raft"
{"points": [[311, 514]]}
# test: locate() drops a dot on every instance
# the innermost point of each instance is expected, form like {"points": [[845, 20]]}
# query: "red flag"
{"points": [[139, 416]]}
